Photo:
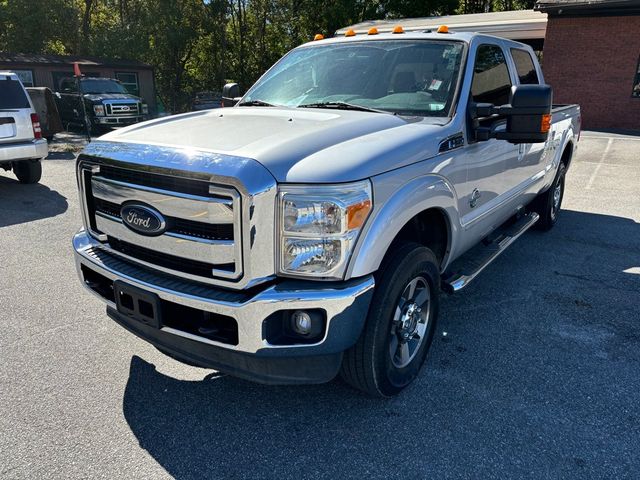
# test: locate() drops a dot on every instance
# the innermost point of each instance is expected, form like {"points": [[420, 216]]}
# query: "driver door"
{"points": [[486, 188]]}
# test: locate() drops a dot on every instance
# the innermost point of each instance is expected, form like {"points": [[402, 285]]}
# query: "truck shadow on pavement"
{"points": [[518, 383], [25, 203]]}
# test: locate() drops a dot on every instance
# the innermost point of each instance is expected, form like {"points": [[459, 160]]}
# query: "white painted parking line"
{"points": [[595, 137], [599, 165]]}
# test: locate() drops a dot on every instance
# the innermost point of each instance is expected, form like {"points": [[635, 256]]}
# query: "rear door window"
{"points": [[68, 86], [12, 96], [525, 68]]}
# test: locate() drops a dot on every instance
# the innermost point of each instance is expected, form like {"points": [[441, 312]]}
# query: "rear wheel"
{"points": [[548, 204], [28, 171], [400, 324]]}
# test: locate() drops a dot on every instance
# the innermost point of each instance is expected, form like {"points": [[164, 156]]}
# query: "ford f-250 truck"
{"points": [[106, 101], [311, 228]]}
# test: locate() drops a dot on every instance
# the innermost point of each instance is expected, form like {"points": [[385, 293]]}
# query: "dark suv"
{"points": [[107, 102]]}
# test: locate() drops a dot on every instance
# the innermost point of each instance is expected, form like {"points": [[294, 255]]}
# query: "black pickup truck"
{"points": [[107, 102]]}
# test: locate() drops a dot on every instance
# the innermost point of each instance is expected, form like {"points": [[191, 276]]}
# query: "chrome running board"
{"points": [[463, 270]]}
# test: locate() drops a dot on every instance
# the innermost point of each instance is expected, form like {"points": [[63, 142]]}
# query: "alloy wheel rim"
{"points": [[557, 197], [410, 322]]}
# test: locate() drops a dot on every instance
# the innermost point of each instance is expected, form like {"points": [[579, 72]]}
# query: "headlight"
{"points": [[145, 109], [319, 226], [98, 110]]}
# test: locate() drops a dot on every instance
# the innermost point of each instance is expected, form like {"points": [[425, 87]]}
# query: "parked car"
{"points": [[310, 229], [107, 103], [206, 101], [21, 144], [44, 103]]}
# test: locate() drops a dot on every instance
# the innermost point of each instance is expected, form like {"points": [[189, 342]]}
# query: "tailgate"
{"points": [[15, 112]]}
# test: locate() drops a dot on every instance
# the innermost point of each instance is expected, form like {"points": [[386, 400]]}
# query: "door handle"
{"points": [[475, 196]]}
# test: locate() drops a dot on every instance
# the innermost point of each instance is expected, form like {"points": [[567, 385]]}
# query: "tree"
{"points": [[200, 44]]}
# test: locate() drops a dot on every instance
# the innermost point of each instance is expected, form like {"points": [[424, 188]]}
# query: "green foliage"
{"points": [[200, 44]]}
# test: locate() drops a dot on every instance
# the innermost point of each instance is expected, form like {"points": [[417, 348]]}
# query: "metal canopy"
{"points": [[514, 25]]}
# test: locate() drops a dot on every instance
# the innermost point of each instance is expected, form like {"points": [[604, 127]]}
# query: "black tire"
{"points": [[369, 365], [28, 171], [548, 204]]}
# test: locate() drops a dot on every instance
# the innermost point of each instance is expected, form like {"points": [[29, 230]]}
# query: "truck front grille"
{"points": [[116, 109], [202, 238]]}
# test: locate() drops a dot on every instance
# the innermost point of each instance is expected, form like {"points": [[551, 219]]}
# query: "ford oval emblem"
{"points": [[143, 219]]}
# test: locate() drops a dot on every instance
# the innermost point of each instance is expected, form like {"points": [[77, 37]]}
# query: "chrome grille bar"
{"points": [[173, 204], [212, 251]]}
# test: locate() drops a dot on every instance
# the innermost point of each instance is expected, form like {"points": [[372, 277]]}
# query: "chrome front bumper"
{"points": [[119, 120], [345, 303]]}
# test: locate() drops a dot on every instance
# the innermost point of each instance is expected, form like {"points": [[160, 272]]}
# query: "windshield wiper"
{"points": [[256, 103], [342, 106]]}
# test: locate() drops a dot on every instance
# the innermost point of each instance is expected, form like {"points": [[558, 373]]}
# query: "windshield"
{"points": [[101, 86], [404, 77]]}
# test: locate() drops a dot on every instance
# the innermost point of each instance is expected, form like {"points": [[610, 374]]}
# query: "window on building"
{"points": [[26, 77], [491, 81], [130, 82], [525, 68], [636, 82]]}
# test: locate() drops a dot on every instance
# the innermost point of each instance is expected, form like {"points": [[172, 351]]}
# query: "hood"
{"points": [[98, 97], [297, 145]]}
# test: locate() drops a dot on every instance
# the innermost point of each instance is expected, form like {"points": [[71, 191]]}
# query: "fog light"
{"points": [[301, 322]]}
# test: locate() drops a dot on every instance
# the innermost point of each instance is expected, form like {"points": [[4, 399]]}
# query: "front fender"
{"points": [[392, 211]]}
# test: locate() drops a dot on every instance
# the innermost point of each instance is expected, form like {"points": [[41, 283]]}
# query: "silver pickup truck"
{"points": [[310, 229]]}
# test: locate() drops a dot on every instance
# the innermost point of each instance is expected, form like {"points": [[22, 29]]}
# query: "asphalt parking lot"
{"points": [[534, 372]]}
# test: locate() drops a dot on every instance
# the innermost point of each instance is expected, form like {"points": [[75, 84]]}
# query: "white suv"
{"points": [[21, 143]]}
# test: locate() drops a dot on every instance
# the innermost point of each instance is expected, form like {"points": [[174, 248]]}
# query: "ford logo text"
{"points": [[143, 219]]}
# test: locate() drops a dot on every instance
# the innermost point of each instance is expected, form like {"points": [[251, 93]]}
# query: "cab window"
{"points": [[491, 81], [68, 86], [525, 68]]}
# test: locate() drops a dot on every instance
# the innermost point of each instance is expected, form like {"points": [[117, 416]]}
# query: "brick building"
{"points": [[592, 57]]}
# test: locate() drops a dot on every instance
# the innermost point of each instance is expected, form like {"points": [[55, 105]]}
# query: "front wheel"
{"points": [[28, 171], [400, 324]]}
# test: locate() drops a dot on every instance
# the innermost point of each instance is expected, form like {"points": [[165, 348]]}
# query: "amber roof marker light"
{"points": [[350, 33], [397, 29], [317, 37], [372, 31], [443, 29]]}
